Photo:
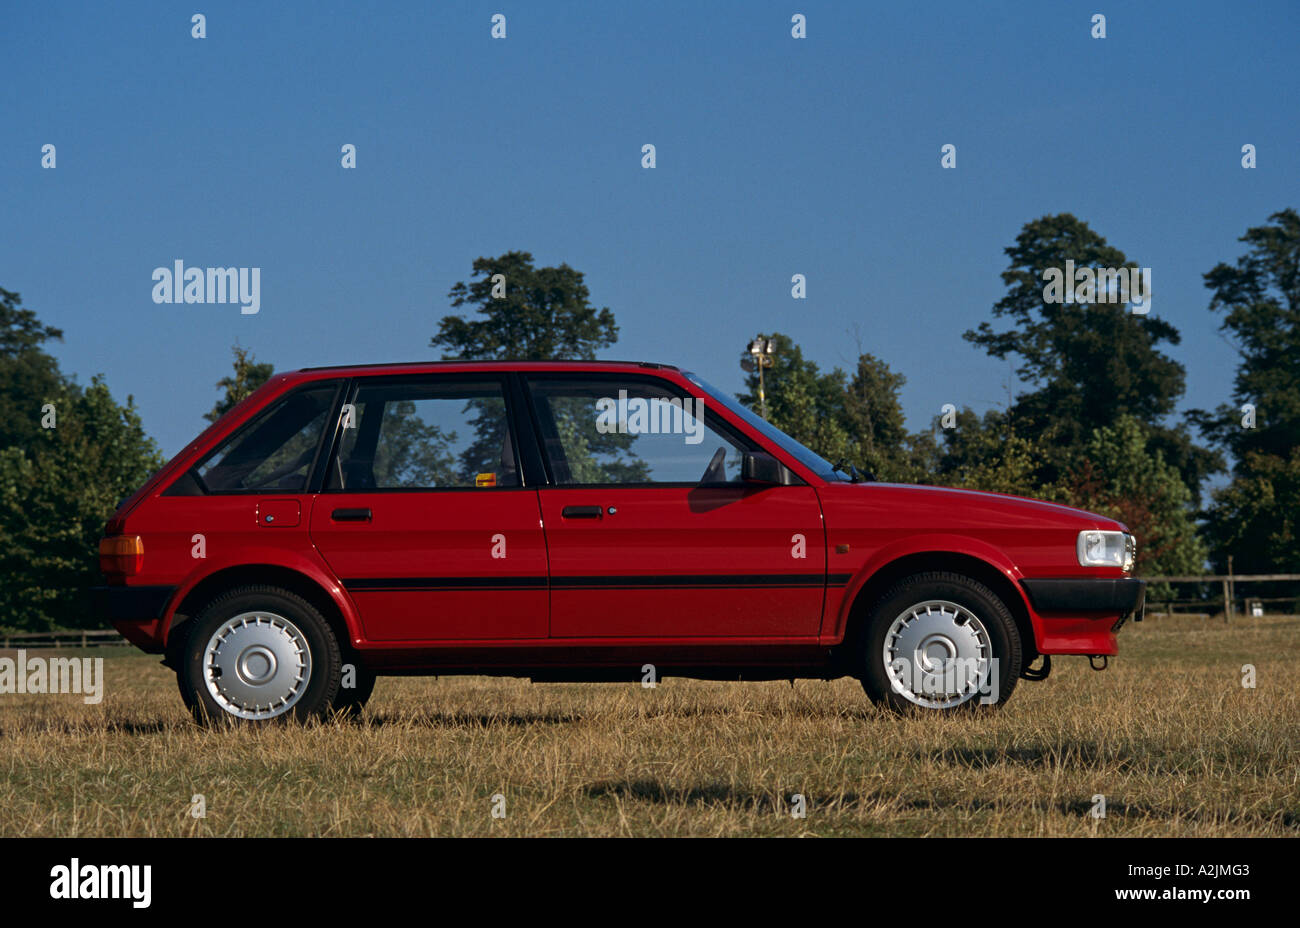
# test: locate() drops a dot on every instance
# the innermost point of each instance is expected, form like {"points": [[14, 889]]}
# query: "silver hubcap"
{"points": [[257, 665], [937, 654]]}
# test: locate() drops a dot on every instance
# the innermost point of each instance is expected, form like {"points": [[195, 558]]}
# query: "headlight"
{"points": [[1106, 549]]}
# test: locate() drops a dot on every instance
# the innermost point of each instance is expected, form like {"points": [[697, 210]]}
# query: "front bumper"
{"points": [[1123, 595]]}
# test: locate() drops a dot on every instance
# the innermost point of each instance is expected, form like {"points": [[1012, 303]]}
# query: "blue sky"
{"points": [[776, 156]]}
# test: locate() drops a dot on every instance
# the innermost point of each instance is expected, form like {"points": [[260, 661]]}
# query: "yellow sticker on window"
{"points": [[485, 480]]}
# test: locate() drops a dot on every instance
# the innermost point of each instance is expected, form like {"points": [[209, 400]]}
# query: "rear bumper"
{"points": [[1123, 595], [135, 611], [130, 603]]}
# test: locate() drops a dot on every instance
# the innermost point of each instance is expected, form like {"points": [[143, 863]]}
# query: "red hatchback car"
{"points": [[577, 521]]}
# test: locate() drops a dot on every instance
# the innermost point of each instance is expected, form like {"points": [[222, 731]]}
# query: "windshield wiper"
{"points": [[850, 471]]}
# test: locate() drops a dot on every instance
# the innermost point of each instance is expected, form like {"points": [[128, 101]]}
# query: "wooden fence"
{"points": [[1230, 582], [90, 638]]}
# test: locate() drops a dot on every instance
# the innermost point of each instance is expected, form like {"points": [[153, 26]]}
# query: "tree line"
{"points": [[1094, 423]]}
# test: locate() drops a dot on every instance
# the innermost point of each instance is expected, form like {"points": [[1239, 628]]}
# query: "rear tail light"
{"points": [[121, 554]]}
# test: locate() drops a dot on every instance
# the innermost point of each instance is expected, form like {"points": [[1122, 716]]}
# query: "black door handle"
{"points": [[581, 512], [350, 515]]}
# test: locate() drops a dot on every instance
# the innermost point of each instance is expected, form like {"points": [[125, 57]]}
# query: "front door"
{"points": [[651, 533], [423, 515]]}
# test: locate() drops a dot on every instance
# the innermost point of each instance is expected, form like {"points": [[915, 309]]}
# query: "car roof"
{"points": [[399, 367]]}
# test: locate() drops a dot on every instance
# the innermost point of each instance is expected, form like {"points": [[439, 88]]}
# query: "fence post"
{"points": [[1232, 586], [1226, 605]]}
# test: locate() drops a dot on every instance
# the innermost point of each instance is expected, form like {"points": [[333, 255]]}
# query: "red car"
{"points": [[577, 521]]}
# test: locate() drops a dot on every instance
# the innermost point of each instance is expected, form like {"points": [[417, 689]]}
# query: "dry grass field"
{"points": [[1168, 735]]}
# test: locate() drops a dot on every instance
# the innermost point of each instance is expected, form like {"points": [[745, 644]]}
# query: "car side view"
{"points": [[579, 521]]}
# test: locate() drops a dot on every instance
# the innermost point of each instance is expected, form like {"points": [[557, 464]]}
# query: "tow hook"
{"points": [[1042, 672], [1092, 661]]}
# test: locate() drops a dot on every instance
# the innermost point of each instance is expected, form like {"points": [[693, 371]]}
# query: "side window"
{"points": [[425, 434], [276, 450], [611, 432]]}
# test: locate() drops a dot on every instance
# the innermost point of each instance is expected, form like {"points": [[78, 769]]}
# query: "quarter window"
{"points": [[276, 450]]}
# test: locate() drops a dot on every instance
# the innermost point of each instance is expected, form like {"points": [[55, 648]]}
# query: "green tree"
{"points": [[803, 402], [1254, 517], [1121, 475], [856, 419], [71, 454], [873, 418], [1087, 364], [29, 376], [247, 377], [986, 453], [529, 313], [544, 314]]}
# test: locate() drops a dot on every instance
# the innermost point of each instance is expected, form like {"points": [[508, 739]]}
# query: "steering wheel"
{"points": [[716, 472]]}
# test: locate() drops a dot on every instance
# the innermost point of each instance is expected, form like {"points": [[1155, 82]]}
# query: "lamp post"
{"points": [[761, 351]]}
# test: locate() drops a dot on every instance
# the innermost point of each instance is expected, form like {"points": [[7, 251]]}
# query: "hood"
{"points": [[978, 506]]}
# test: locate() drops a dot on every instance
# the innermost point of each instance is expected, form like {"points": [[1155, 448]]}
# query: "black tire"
{"points": [[1000, 640], [351, 700], [314, 689]]}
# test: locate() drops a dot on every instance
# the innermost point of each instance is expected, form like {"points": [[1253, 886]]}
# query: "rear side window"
{"points": [[425, 434], [276, 450]]}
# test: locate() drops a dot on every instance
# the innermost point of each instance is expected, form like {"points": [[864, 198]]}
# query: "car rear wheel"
{"points": [[259, 654], [940, 641]]}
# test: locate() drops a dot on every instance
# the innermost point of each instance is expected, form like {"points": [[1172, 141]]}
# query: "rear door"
{"points": [[651, 533], [424, 515]]}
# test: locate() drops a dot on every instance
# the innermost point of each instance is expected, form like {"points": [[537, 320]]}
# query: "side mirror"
{"points": [[761, 467]]}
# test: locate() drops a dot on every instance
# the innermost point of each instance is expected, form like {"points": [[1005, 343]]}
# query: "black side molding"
{"points": [[1086, 594]]}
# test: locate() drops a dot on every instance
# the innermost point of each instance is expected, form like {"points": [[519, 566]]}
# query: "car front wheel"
{"points": [[259, 654], [940, 641]]}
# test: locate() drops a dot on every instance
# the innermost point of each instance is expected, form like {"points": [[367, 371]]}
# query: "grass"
{"points": [[1168, 735]]}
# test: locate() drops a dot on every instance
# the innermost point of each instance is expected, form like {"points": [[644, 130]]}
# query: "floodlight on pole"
{"points": [[761, 351]]}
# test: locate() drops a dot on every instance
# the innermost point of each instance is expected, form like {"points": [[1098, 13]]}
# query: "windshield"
{"points": [[807, 457]]}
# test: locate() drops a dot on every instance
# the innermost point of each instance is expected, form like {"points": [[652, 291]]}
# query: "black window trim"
{"points": [[535, 470], [321, 470]]}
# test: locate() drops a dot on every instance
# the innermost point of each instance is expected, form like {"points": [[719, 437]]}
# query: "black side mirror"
{"points": [[761, 467]]}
